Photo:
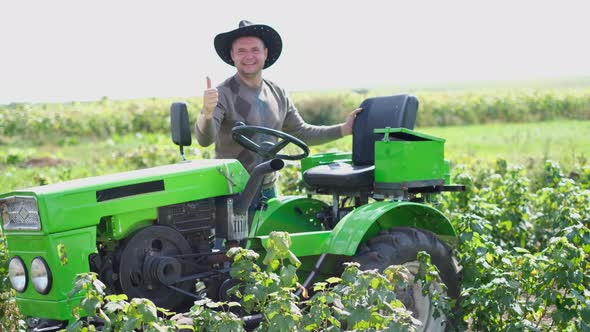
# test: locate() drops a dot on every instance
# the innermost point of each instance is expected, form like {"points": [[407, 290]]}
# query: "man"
{"points": [[247, 97]]}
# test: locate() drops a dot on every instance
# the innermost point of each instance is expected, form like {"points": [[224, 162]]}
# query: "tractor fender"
{"points": [[369, 220], [293, 214]]}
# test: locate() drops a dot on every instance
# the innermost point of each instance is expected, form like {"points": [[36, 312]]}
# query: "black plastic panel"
{"points": [[129, 190]]}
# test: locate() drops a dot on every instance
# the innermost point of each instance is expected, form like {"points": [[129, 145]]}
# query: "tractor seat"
{"points": [[341, 177], [397, 111]]}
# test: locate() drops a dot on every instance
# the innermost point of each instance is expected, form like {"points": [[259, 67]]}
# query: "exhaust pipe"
{"points": [[243, 202]]}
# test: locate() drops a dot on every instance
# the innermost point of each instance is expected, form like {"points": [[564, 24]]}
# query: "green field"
{"points": [[567, 142], [528, 144]]}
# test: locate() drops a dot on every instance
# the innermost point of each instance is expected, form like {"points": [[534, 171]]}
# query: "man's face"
{"points": [[249, 55]]}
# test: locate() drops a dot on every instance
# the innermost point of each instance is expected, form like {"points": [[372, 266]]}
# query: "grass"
{"points": [[567, 142]]}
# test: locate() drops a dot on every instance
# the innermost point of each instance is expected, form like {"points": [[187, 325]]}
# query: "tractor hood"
{"points": [[83, 202]]}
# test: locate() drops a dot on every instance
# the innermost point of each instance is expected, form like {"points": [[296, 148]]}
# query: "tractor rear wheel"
{"points": [[400, 246]]}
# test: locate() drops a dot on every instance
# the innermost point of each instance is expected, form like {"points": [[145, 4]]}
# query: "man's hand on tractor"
{"points": [[346, 128], [210, 98]]}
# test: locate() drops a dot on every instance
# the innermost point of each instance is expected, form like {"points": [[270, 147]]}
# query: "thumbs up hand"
{"points": [[210, 98]]}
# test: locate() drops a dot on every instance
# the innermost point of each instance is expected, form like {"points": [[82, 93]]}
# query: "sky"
{"points": [[83, 50]]}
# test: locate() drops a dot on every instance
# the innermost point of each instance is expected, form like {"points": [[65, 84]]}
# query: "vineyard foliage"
{"points": [[523, 245]]}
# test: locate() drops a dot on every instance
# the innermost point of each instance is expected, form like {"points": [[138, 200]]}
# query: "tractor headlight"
{"points": [[17, 273], [20, 213], [40, 275]]}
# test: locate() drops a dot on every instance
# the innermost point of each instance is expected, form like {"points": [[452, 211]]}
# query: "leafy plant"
{"points": [[359, 300], [10, 320], [114, 312], [524, 255]]}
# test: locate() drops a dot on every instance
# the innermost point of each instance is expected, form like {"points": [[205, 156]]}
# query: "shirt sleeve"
{"points": [[310, 134], [206, 130]]}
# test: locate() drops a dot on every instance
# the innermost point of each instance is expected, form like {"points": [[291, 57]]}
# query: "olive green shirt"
{"points": [[266, 106]]}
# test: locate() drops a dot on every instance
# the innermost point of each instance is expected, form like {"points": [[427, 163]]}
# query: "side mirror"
{"points": [[180, 127]]}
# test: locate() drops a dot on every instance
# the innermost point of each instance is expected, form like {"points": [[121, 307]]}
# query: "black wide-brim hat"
{"points": [[272, 41]]}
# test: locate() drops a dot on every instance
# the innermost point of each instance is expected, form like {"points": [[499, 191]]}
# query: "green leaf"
{"points": [[146, 309], [90, 304], [288, 276], [113, 306], [374, 283], [203, 301], [333, 280], [319, 286], [521, 250], [200, 286], [516, 308], [277, 248], [76, 327], [214, 304], [129, 325], [270, 257], [98, 286], [585, 312], [294, 260], [105, 319], [80, 282], [233, 304], [506, 225], [359, 318], [115, 297]]}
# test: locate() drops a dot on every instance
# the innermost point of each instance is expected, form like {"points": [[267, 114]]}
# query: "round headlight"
{"points": [[40, 275], [17, 273]]}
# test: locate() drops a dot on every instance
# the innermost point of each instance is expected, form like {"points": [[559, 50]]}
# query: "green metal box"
{"points": [[405, 158]]}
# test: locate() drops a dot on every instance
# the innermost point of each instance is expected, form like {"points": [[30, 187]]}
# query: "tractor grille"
{"points": [[189, 217]]}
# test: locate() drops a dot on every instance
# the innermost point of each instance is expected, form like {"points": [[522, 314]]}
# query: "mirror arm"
{"points": [[182, 153]]}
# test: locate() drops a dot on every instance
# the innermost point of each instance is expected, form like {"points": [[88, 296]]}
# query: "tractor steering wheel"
{"points": [[268, 150]]}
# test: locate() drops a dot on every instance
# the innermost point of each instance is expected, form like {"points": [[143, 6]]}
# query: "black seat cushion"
{"points": [[340, 177]]}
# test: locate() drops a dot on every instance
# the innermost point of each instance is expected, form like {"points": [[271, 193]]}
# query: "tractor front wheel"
{"points": [[400, 246]]}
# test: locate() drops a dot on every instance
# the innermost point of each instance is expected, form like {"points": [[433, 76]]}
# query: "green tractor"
{"points": [[152, 233]]}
